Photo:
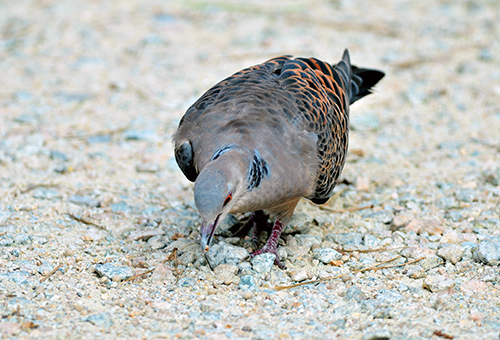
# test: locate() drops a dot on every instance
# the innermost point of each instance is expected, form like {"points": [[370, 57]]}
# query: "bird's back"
{"points": [[283, 96]]}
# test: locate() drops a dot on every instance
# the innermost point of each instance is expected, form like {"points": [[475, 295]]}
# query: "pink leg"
{"points": [[272, 244]]}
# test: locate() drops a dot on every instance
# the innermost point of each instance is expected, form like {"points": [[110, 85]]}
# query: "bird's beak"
{"points": [[207, 233]]}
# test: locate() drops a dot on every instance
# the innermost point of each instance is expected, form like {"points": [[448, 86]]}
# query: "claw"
{"points": [[271, 245]]}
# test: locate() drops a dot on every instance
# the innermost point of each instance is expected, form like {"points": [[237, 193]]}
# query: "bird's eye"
{"points": [[228, 199]]}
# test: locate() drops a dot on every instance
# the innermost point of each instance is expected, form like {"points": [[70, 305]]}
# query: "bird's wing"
{"points": [[249, 85], [322, 92], [312, 94]]}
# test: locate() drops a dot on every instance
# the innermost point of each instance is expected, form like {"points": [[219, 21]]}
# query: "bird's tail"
{"points": [[362, 79]]}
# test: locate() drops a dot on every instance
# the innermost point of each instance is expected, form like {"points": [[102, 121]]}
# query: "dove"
{"points": [[267, 136]]}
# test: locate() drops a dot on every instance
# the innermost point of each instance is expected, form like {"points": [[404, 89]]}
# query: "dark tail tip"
{"points": [[363, 79]]}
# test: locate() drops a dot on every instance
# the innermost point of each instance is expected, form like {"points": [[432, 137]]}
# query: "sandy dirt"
{"points": [[90, 95]]}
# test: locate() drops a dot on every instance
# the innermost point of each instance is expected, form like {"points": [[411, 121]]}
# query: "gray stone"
{"points": [[225, 226], [354, 293], [99, 139], [58, 155], [299, 275], [437, 283], [451, 252], [245, 268], [454, 215], [226, 270], [299, 223], [61, 168], [492, 176], [72, 97], [381, 334], [84, 201], [370, 241], [389, 296], [100, 319], [346, 310], [414, 271], [447, 203], [466, 195], [188, 282], [370, 305], [20, 276], [225, 253], [110, 270], [18, 301], [346, 239], [44, 193], [263, 263], [45, 268], [39, 239], [308, 240], [326, 255], [6, 241], [22, 239], [247, 283], [140, 135], [383, 313], [147, 167], [469, 249], [489, 275], [488, 252], [383, 216], [485, 54], [121, 207], [431, 262]]}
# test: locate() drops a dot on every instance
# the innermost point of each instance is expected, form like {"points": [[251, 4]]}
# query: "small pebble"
{"points": [[110, 270], [44, 193], [451, 252], [84, 201], [383, 334], [389, 296], [147, 167], [488, 252], [346, 239], [420, 226], [247, 295], [354, 293], [223, 253], [327, 255], [299, 275], [307, 240], [437, 283], [68, 252], [473, 286], [263, 263], [247, 283], [100, 319]]}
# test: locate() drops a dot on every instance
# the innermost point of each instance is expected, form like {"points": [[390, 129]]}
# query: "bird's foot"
{"points": [[271, 245], [257, 222]]}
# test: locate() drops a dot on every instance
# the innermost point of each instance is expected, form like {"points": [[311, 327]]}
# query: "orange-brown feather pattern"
{"points": [[312, 94]]}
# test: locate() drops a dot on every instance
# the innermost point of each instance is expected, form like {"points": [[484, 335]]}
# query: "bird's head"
{"points": [[218, 187]]}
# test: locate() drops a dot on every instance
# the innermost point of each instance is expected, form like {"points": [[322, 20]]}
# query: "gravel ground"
{"points": [[90, 95]]}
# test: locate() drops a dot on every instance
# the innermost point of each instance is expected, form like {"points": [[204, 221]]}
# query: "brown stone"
{"points": [[419, 226]]}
